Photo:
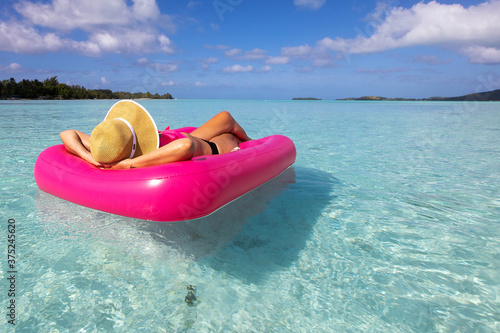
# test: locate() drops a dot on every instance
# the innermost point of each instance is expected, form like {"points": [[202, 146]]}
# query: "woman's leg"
{"points": [[226, 131], [221, 123], [176, 151]]}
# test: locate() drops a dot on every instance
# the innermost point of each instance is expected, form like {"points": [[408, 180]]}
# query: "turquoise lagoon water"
{"points": [[389, 221]]}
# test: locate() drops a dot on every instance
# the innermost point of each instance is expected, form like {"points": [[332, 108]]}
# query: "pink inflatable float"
{"points": [[169, 192]]}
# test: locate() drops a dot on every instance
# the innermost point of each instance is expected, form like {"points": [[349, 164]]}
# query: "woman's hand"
{"points": [[78, 144], [123, 164], [89, 158]]}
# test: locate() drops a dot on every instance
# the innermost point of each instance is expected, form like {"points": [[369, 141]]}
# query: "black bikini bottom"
{"points": [[212, 145]]}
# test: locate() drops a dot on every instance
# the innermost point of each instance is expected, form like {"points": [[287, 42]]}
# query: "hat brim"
{"points": [[144, 126]]}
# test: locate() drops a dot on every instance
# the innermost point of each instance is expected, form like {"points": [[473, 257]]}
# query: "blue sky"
{"points": [[256, 49]]}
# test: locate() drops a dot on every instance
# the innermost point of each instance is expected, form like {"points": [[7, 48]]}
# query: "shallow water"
{"points": [[388, 221]]}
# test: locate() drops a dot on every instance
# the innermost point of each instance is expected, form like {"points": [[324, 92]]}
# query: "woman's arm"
{"points": [[189, 147], [178, 150], [78, 143]]}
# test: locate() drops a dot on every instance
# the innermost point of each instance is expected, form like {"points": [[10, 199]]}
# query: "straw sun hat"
{"points": [[127, 131]]}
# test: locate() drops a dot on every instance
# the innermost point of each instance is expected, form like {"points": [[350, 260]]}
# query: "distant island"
{"points": [[306, 99], [50, 88], [487, 96], [377, 98]]}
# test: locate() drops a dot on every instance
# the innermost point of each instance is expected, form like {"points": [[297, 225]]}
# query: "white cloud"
{"points": [[266, 69], [200, 84], [238, 69], [319, 56], [309, 4], [88, 14], [216, 47], [166, 45], [18, 37], [211, 60], [482, 55], [104, 80], [129, 41], [143, 10], [429, 59], [164, 68], [323, 61], [168, 83], [69, 14], [106, 41], [254, 54], [382, 70], [296, 51], [158, 67], [472, 31], [88, 48], [279, 60], [232, 52], [142, 61], [111, 26], [205, 63], [12, 68]]}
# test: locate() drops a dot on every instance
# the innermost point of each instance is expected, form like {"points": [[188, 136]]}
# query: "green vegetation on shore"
{"points": [[487, 96], [50, 88]]}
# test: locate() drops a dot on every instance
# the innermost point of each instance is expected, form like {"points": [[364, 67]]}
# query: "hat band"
{"points": [[134, 142]]}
